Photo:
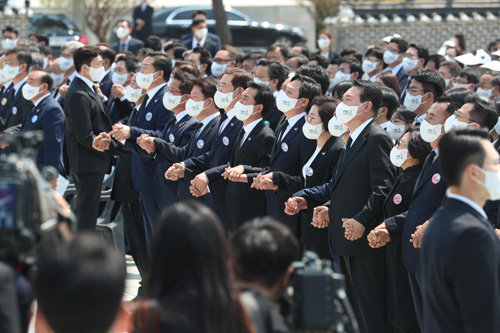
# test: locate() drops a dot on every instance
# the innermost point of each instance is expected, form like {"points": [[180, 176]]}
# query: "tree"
{"points": [[320, 10], [221, 27]]}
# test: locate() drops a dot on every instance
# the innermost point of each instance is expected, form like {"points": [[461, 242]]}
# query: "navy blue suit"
{"points": [[133, 45], [212, 42], [48, 117], [219, 154], [119, 110], [15, 111], [402, 77], [105, 84], [176, 133], [151, 120]]}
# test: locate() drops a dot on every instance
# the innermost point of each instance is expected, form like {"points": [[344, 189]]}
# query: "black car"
{"points": [[247, 33], [58, 27]]}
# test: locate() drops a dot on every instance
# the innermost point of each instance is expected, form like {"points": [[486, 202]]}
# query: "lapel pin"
{"points": [[323, 153]]}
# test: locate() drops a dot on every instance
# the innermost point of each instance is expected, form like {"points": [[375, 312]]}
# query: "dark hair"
{"points": [[376, 52], [207, 85], [496, 81], [461, 41], [354, 65], [197, 22], [240, 77], [175, 43], [482, 112], [351, 53], [308, 88], [341, 87], [107, 53], [188, 67], [254, 55], [126, 21], [304, 50], [84, 56], [389, 100], [153, 42], [301, 59], [45, 50], [80, 286], [144, 51], [130, 63], [198, 12], [452, 66], [437, 59], [371, 92], [451, 107], [283, 49], [263, 250], [459, 95], [46, 78], [187, 81], [161, 63], [458, 149], [326, 109], [41, 37], [232, 52], [179, 52], [417, 147], [275, 70], [9, 28], [264, 96], [470, 74], [405, 115], [192, 229], [22, 56], [322, 61], [422, 52], [391, 81], [402, 44], [318, 74], [431, 82], [326, 32], [205, 57]]}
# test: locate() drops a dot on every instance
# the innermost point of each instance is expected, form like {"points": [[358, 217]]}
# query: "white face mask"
{"points": [[119, 78], [409, 64], [390, 58], [428, 132], [3, 78], [29, 92], [145, 80], [447, 82], [96, 74], [312, 132], [132, 95], [285, 103], [10, 72], [323, 43], [122, 32], [8, 43], [218, 69], [395, 131], [486, 94], [492, 183], [368, 66], [170, 101], [412, 102], [497, 126], [45, 63], [333, 82], [58, 78], [259, 81], [398, 156], [453, 123], [346, 113], [65, 63], [448, 58], [243, 112], [223, 100], [462, 85], [201, 33], [335, 127], [339, 76], [194, 108]]}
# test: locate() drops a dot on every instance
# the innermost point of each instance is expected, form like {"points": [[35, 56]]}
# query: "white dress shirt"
{"points": [[248, 128], [354, 135], [153, 91], [230, 114], [291, 122]]}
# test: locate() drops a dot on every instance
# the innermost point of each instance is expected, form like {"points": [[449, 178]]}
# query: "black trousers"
{"points": [[417, 296], [88, 189], [365, 284], [136, 236]]}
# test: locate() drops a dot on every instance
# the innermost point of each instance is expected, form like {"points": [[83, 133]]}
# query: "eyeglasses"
{"points": [[218, 60], [461, 117], [401, 144]]}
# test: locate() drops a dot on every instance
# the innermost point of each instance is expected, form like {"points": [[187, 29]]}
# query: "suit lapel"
{"points": [[248, 141], [422, 179], [288, 137]]}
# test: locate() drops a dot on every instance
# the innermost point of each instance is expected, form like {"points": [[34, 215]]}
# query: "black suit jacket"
{"points": [[212, 42], [362, 181], [119, 110], [86, 117], [147, 16], [243, 203], [133, 45], [274, 118], [105, 84], [15, 112], [460, 266]]}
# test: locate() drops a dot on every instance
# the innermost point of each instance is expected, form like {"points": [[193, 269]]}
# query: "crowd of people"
{"points": [[227, 166]]}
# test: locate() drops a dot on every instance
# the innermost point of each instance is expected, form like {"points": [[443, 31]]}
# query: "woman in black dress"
{"points": [[316, 171], [409, 154]]}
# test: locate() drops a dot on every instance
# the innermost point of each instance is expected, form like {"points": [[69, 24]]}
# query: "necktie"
{"points": [[141, 109], [347, 148], [428, 162], [282, 130], [223, 118], [198, 130]]}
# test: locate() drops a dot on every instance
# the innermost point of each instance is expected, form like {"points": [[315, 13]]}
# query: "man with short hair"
{"points": [[201, 15], [118, 107], [79, 288], [425, 88], [349, 69], [459, 243], [108, 58], [390, 103], [278, 52], [126, 42], [10, 37], [393, 58], [143, 21], [263, 252], [449, 71], [67, 65], [226, 57], [201, 58], [47, 116], [249, 61], [200, 37], [295, 61], [468, 79], [485, 87]]}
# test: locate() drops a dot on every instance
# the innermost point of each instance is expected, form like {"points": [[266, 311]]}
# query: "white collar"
{"points": [[40, 99], [201, 42], [326, 55], [384, 125], [354, 135], [373, 78], [126, 40], [19, 84], [208, 119], [180, 115], [230, 114], [292, 121], [72, 76], [469, 202], [153, 91], [249, 127], [396, 69], [89, 83]]}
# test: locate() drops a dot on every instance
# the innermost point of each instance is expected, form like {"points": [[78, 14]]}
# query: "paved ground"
{"points": [[132, 282]]}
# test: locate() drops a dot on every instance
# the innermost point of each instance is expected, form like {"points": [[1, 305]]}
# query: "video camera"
{"points": [[27, 222], [319, 300]]}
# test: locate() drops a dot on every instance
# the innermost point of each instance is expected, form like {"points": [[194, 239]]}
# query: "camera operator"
{"points": [[263, 251]]}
